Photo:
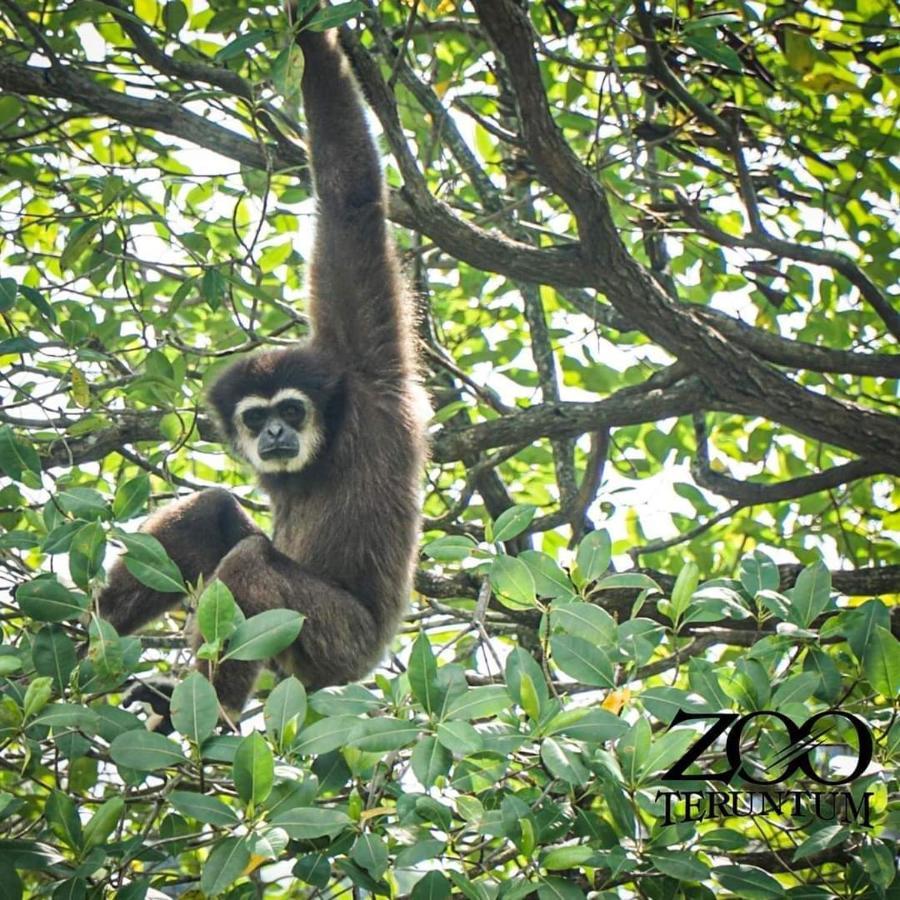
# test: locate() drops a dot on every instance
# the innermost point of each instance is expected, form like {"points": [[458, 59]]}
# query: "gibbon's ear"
{"points": [[223, 396]]}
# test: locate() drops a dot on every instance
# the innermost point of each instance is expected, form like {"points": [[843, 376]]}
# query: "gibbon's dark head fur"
{"points": [[278, 409]]}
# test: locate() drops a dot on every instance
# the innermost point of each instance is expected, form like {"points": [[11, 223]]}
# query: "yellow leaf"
{"points": [[799, 50], [81, 394], [827, 83], [615, 700], [254, 864], [375, 811]]}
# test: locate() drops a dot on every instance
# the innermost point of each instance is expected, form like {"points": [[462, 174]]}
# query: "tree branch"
{"points": [[730, 371], [67, 83], [630, 406]]}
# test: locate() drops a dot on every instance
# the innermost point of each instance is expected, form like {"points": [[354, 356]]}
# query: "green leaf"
{"points": [[72, 889], [53, 654], [857, 624], [45, 599], [62, 817], [427, 848], [759, 573], [549, 579], [705, 42], [347, 700], [596, 726], [554, 888], [102, 824], [878, 861], [526, 681], [663, 703], [86, 553], [584, 620], [810, 594], [175, 16], [370, 852], [822, 839], [265, 634], [459, 737], [145, 751], [627, 580], [434, 885], [383, 734], [195, 707], [68, 715], [594, 554], [795, 689], [664, 750], [131, 497], [83, 503], [881, 662], [333, 16], [146, 559], [567, 857], [285, 708], [325, 735], [582, 661], [513, 582], [685, 585], [253, 769], [429, 760], [239, 45], [303, 823], [210, 810], [422, 673], [216, 612], [679, 864], [512, 522], [38, 692], [36, 299], [228, 859], [8, 290], [633, 751], [748, 882], [17, 457], [106, 650], [563, 764], [479, 703], [450, 548]]}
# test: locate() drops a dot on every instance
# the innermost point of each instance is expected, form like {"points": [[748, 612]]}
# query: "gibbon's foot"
{"points": [[157, 693]]}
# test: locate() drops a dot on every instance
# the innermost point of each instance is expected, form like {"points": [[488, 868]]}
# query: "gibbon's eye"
{"points": [[292, 411], [255, 417]]}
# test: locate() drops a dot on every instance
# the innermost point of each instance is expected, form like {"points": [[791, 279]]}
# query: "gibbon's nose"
{"points": [[275, 430]]}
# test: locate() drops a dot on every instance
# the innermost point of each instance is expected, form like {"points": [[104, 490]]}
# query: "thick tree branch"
{"points": [[645, 403], [67, 83], [759, 237], [729, 371], [749, 493]]}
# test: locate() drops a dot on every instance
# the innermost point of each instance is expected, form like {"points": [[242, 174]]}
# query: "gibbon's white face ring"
{"points": [[310, 432]]}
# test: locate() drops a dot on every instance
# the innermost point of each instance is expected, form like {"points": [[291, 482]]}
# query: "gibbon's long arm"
{"points": [[354, 285]]}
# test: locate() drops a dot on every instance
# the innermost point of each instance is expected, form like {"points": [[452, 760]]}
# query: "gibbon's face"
{"points": [[277, 434], [278, 409]]}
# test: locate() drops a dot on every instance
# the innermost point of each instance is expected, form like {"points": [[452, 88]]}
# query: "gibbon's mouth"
{"points": [[279, 451]]}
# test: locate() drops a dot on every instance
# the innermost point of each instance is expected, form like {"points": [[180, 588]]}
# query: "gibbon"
{"points": [[334, 428]]}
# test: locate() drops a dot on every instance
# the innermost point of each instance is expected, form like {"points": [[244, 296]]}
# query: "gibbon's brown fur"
{"points": [[346, 451]]}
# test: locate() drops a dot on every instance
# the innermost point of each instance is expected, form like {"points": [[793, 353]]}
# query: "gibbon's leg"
{"points": [[197, 533], [335, 642]]}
